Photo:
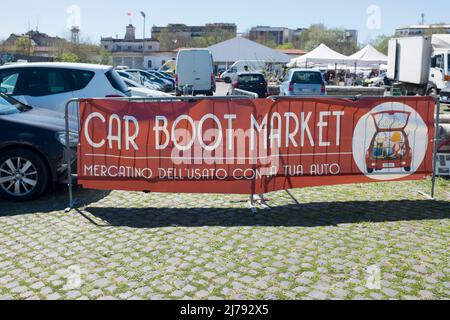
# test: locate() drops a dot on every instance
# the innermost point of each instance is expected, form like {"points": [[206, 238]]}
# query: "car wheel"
{"points": [[369, 170], [227, 80], [210, 94], [408, 169], [432, 92], [23, 175]]}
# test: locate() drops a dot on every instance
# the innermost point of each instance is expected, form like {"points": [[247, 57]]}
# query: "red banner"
{"points": [[253, 146]]}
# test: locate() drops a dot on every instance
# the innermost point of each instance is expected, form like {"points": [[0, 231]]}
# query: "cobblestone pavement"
{"points": [[378, 241]]}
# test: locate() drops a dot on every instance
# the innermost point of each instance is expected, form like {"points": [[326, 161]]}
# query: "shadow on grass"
{"points": [[307, 215], [55, 200]]}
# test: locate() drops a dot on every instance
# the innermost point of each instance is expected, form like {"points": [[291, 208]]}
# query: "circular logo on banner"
{"points": [[390, 142]]}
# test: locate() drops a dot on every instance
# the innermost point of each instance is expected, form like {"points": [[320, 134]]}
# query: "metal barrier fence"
{"points": [[242, 96]]}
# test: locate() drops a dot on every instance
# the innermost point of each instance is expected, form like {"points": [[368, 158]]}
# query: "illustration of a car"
{"points": [[390, 148]]}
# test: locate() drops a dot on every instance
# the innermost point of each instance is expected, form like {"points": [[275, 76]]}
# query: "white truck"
{"points": [[420, 65]]}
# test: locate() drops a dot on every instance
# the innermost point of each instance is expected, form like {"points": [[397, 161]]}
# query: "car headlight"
{"points": [[73, 139]]}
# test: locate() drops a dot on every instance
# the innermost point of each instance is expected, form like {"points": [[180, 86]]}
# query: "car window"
{"points": [[116, 81], [79, 78], [251, 79], [448, 62], [42, 82], [10, 106], [307, 77], [8, 81]]}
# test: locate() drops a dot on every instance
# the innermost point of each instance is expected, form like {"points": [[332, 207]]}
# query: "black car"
{"points": [[32, 149], [252, 82]]}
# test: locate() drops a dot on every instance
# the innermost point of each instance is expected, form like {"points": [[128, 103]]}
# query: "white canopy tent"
{"points": [[322, 55], [240, 48], [369, 57]]}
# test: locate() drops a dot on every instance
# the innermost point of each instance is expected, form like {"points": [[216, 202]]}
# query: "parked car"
{"points": [[241, 66], [303, 82], [137, 78], [50, 85], [380, 81], [445, 95], [252, 82], [163, 76], [151, 78], [195, 71], [138, 90], [32, 153]]}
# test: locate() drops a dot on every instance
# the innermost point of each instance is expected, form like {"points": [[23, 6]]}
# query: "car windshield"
{"points": [[11, 106], [251, 79], [391, 121], [307, 77]]}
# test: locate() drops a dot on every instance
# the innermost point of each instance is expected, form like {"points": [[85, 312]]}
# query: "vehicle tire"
{"points": [[23, 175], [408, 169], [227, 80], [432, 92], [369, 170], [210, 94]]}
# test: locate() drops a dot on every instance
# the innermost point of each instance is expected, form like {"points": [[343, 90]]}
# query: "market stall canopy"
{"points": [[243, 49], [321, 55], [369, 57]]}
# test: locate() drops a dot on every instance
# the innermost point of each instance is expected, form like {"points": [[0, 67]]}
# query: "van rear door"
{"points": [[202, 71]]}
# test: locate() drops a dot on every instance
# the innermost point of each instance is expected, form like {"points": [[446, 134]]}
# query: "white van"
{"points": [[195, 73], [242, 66]]}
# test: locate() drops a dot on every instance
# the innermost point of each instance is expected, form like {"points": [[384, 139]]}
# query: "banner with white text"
{"points": [[253, 146]]}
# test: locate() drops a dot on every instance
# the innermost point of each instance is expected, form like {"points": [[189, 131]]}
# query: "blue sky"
{"points": [[109, 17]]}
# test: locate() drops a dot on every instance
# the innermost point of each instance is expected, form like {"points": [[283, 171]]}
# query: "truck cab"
{"points": [[439, 71]]}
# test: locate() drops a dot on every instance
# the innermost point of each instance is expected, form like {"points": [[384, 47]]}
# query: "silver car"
{"points": [[303, 82]]}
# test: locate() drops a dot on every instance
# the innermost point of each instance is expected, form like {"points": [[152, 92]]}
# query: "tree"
{"points": [[70, 57], [286, 46], [23, 45], [333, 38], [381, 43]]}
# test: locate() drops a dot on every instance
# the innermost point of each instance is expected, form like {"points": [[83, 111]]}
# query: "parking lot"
{"points": [[376, 241]]}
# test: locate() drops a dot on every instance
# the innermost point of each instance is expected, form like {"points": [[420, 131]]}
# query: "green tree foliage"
{"points": [[24, 45], [333, 38], [381, 43], [172, 40], [286, 46], [70, 57]]}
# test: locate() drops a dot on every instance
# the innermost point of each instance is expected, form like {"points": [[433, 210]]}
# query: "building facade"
{"points": [[279, 35], [135, 53], [422, 30], [282, 35], [191, 32]]}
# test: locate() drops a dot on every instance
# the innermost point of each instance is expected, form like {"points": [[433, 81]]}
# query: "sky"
{"points": [[109, 17]]}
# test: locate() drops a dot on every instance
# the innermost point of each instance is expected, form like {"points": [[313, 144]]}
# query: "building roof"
{"points": [[426, 26], [38, 39], [243, 49]]}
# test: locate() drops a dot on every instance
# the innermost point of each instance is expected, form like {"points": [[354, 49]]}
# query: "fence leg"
{"points": [[435, 150], [251, 204], [68, 159]]}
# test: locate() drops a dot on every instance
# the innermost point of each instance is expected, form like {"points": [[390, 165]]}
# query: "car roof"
{"points": [[304, 70], [62, 65], [249, 73]]}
